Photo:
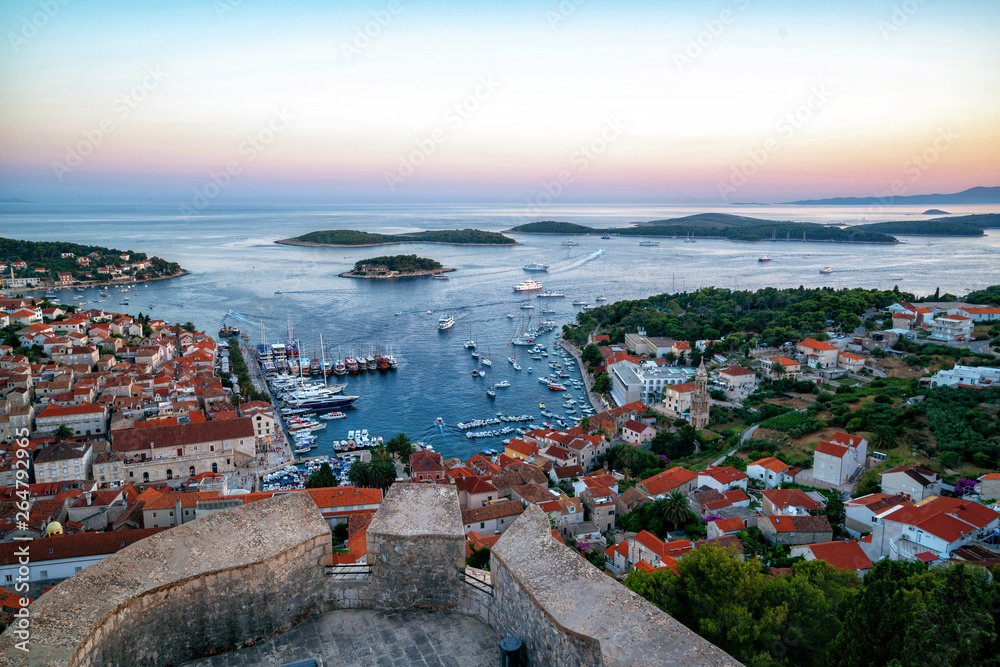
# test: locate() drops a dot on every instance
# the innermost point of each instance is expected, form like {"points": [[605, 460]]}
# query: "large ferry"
{"points": [[548, 294], [322, 402], [446, 322], [527, 286], [535, 267]]}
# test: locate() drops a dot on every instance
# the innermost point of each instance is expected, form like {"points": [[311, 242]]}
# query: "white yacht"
{"points": [[527, 286], [446, 322]]}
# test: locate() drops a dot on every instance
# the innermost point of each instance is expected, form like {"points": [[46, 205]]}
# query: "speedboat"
{"points": [[826, 270], [764, 258]]}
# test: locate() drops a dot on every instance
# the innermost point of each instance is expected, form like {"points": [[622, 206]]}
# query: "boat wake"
{"points": [[583, 260]]}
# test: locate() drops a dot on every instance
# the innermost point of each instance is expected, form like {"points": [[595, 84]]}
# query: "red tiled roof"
{"points": [[723, 474], [833, 450], [728, 524], [492, 511], [182, 434], [782, 498], [842, 554], [817, 345], [681, 388], [668, 480], [847, 439], [75, 545], [772, 464], [636, 426]]}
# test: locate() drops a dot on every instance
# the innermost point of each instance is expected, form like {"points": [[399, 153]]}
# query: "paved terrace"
{"points": [[361, 637]]}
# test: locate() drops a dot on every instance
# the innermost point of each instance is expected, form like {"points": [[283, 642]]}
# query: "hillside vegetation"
{"points": [[718, 225], [455, 236], [48, 255], [401, 263], [966, 225]]}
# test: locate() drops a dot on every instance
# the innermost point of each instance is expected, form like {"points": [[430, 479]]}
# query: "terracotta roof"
{"points": [[847, 439], [729, 524], [782, 498], [800, 524], [53, 410], [681, 388], [636, 426], [772, 464], [668, 480], [569, 472], [187, 499], [723, 474], [830, 448], [344, 496], [74, 546], [181, 434], [926, 556], [842, 554], [533, 492], [817, 345], [475, 485], [492, 511], [736, 370]]}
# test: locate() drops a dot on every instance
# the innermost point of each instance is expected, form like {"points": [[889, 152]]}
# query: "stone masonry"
{"points": [[568, 613], [416, 547]]}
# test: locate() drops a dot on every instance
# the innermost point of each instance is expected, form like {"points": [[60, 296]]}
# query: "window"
{"points": [[76, 569], [482, 524], [154, 515], [43, 574], [8, 578]]}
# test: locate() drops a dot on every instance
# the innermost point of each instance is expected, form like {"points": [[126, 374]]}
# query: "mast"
{"points": [[322, 349]]}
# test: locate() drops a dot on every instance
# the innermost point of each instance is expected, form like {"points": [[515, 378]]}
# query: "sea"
{"points": [[240, 276]]}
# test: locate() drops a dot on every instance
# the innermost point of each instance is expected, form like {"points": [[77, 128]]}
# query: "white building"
{"points": [[63, 461], [645, 381], [951, 328], [838, 461], [915, 481], [84, 419], [971, 376]]}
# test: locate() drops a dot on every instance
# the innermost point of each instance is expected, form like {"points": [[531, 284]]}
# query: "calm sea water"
{"points": [[236, 266]]}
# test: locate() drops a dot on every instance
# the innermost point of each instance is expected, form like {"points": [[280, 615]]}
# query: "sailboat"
{"points": [[690, 238], [490, 391]]}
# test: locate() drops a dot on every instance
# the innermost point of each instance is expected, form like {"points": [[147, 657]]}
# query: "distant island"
{"points": [[351, 237], [61, 264], [718, 225], [978, 195], [935, 211], [965, 225], [395, 266]]}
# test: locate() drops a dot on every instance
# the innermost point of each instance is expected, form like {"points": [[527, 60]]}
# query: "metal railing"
{"points": [[478, 584], [350, 572]]}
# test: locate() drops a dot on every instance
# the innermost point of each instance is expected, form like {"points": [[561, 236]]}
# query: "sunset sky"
{"points": [[653, 102]]}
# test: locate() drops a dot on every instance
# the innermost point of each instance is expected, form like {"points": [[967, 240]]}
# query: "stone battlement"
{"points": [[243, 575]]}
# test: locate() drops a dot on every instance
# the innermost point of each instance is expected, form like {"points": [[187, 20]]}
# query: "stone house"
{"points": [[796, 529]]}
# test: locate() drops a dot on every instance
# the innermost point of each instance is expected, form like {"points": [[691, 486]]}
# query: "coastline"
{"points": [[699, 238], [423, 273], [311, 244], [107, 283]]}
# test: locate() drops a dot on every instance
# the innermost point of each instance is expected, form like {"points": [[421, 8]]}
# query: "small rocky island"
{"points": [[935, 211], [395, 266], [337, 238]]}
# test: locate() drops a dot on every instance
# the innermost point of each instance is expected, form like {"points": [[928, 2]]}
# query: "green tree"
{"points": [[400, 446], [62, 433], [189, 327], [884, 437], [591, 355], [322, 478], [585, 424], [676, 509], [479, 559], [602, 383]]}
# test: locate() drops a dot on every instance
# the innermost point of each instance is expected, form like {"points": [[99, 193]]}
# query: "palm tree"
{"points": [[884, 437], [400, 446], [585, 424], [62, 433], [777, 370], [676, 509], [360, 474]]}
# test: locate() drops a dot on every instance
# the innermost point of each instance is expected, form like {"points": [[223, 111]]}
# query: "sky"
{"points": [[192, 102]]}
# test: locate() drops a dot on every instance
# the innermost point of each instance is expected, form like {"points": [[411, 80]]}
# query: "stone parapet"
{"points": [[207, 586], [416, 547], [568, 613]]}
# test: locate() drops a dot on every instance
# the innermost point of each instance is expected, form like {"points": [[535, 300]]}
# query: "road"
{"points": [[596, 400]]}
